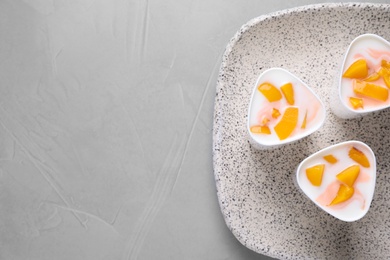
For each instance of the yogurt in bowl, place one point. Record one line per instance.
(282, 110)
(340, 179)
(363, 84)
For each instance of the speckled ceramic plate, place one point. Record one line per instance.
(258, 199)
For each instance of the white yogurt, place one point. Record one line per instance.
(358, 205)
(305, 100)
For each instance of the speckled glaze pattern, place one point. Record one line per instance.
(258, 198)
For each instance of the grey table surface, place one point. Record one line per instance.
(106, 117)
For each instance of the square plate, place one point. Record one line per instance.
(260, 203)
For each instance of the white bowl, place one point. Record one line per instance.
(367, 46)
(305, 100)
(358, 205)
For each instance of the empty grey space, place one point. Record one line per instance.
(106, 123)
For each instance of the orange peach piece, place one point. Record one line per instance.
(359, 157)
(288, 92)
(303, 126)
(265, 121)
(344, 193)
(275, 113)
(260, 129)
(330, 159)
(349, 175)
(314, 174)
(374, 76)
(356, 102)
(385, 73)
(270, 92)
(357, 70)
(385, 64)
(288, 123)
(370, 90)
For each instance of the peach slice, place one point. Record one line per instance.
(288, 123)
(359, 157)
(385, 73)
(275, 113)
(356, 102)
(260, 129)
(330, 158)
(370, 90)
(270, 92)
(288, 92)
(385, 64)
(303, 126)
(357, 70)
(265, 121)
(314, 174)
(374, 76)
(349, 175)
(345, 193)
(345, 181)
